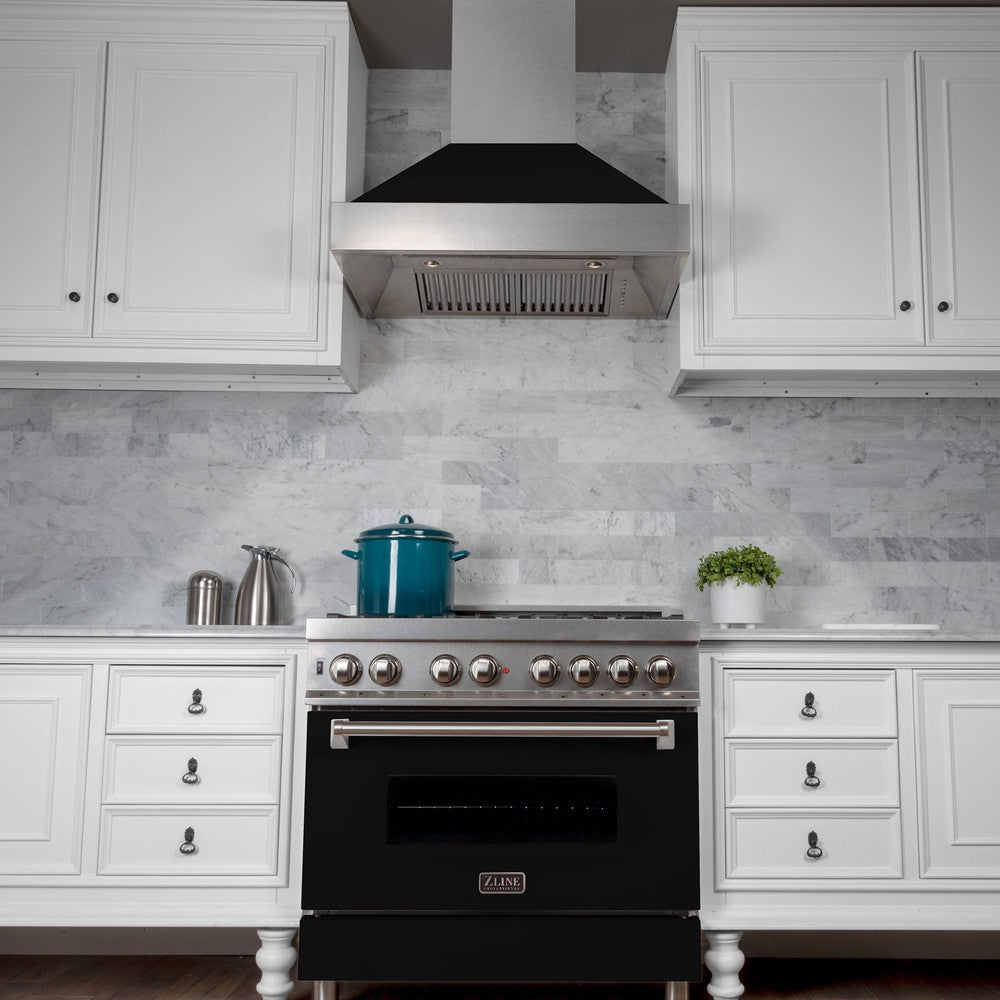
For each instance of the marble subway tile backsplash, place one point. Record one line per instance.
(550, 450)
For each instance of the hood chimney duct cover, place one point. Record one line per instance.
(513, 71)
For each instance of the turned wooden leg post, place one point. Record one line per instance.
(275, 958)
(724, 960)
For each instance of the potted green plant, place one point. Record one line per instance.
(736, 578)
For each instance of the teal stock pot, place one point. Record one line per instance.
(405, 570)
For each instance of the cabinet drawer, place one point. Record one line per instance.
(189, 699)
(168, 769)
(772, 843)
(234, 841)
(761, 702)
(812, 773)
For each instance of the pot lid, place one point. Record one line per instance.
(406, 528)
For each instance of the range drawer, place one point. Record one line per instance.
(204, 769)
(809, 703)
(768, 844)
(216, 841)
(768, 773)
(195, 699)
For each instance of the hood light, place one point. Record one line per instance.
(431, 262)
(594, 265)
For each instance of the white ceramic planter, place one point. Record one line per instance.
(737, 604)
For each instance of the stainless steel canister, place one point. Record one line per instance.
(204, 598)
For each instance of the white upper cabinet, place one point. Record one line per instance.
(165, 206)
(209, 220)
(961, 103)
(840, 165)
(811, 230)
(50, 105)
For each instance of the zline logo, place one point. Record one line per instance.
(501, 883)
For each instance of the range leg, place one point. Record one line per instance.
(275, 958)
(325, 989)
(724, 960)
(676, 991)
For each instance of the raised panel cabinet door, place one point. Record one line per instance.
(44, 713)
(211, 213)
(811, 232)
(958, 718)
(50, 104)
(960, 93)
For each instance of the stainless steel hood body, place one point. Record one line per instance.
(520, 229)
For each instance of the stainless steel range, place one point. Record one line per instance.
(502, 795)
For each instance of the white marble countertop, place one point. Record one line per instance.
(287, 632)
(847, 633)
(709, 633)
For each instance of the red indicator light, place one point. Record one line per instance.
(505, 670)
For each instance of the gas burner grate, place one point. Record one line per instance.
(502, 611)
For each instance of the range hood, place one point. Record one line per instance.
(512, 218)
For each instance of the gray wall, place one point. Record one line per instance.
(549, 448)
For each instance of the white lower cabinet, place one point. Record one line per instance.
(154, 781)
(44, 714)
(847, 785)
(958, 719)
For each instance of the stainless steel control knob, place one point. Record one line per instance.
(345, 669)
(661, 670)
(584, 670)
(544, 670)
(484, 669)
(445, 670)
(385, 670)
(621, 670)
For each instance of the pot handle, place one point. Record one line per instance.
(460, 554)
(350, 554)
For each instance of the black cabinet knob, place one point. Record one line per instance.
(943, 307)
(74, 296)
(813, 852)
(189, 846)
(112, 297)
(905, 305)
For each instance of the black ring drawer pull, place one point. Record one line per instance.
(811, 781)
(191, 777)
(189, 846)
(814, 852)
(808, 712)
(196, 707)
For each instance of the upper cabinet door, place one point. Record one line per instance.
(811, 238)
(210, 214)
(49, 123)
(961, 105)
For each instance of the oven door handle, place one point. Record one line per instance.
(341, 730)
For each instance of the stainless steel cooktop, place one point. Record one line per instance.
(505, 655)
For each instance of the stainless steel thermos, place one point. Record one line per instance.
(204, 604)
(257, 600)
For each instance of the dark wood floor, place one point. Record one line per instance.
(234, 978)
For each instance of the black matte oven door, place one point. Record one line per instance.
(492, 824)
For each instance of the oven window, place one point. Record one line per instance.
(502, 809)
